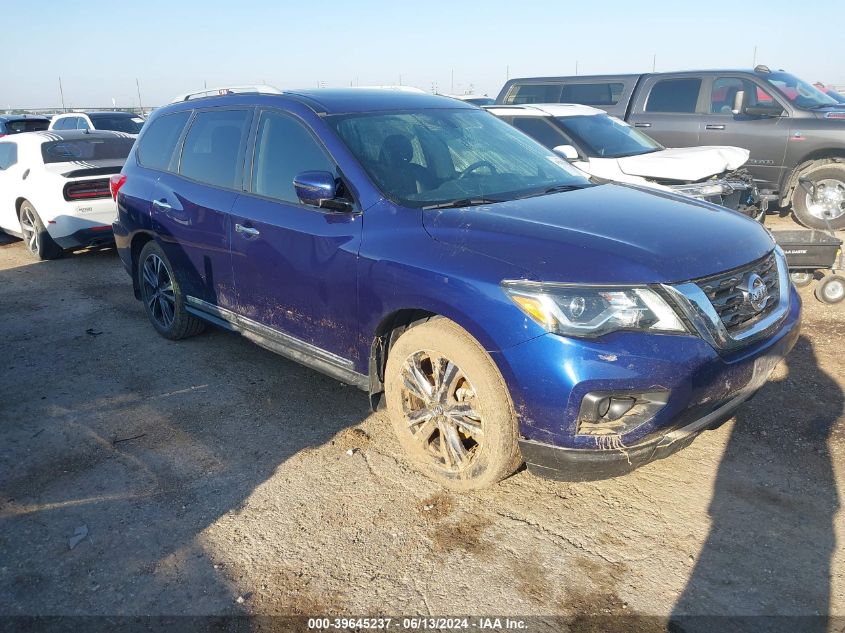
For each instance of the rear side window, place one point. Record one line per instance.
(674, 95)
(284, 148)
(596, 94)
(541, 130)
(158, 143)
(212, 152)
(86, 149)
(8, 155)
(534, 93)
(117, 123)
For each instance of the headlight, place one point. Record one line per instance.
(590, 311)
(704, 190)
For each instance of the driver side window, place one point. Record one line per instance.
(724, 90)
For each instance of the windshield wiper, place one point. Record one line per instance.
(555, 189)
(463, 202)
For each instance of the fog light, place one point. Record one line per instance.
(609, 413)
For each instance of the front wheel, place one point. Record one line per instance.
(828, 206)
(831, 289)
(35, 236)
(162, 295)
(450, 407)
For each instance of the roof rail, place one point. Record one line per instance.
(227, 90)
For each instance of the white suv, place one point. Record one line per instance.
(125, 122)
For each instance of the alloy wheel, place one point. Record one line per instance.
(158, 292)
(29, 229)
(440, 408)
(829, 202)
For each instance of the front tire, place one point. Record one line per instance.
(831, 289)
(829, 202)
(162, 296)
(36, 239)
(450, 407)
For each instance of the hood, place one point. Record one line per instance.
(685, 163)
(606, 234)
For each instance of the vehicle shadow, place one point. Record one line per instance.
(766, 564)
(135, 444)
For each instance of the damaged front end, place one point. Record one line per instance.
(735, 190)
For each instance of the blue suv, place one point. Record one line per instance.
(502, 306)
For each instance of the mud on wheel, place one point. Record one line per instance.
(449, 406)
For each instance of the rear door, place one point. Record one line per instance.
(669, 109)
(190, 208)
(765, 136)
(295, 266)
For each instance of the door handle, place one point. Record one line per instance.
(247, 231)
(161, 204)
(642, 124)
(714, 126)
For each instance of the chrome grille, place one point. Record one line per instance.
(728, 299)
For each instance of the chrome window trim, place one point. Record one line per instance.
(697, 309)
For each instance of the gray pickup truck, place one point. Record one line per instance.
(791, 128)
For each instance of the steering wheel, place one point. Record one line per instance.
(478, 165)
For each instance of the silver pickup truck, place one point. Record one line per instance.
(791, 128)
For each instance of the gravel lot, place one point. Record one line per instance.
(211, 477)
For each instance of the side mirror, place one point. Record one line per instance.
(319, 189)
(739, 102)
(566, 151)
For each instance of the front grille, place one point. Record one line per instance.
(728, 298)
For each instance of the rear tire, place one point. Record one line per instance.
(831, 289)
(830, 181)
(36, 239)
(162, 296)
(450, 407)
(801, 278)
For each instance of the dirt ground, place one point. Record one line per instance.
(211, 477)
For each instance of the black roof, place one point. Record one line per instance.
(22, 117)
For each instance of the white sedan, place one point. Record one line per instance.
(54, 188)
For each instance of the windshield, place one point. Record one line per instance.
(130, 124)
(799, 92)
(432, 157)
(605, 137)
(86, 149)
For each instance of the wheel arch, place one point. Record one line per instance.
(813, 160)
(139, 240)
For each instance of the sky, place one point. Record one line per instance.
(455, 47)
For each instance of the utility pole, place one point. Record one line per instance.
(654, 62)
(62, 93)
(452, 87)
(576, 66)
(507, 72)
(754, 59)
(138, 86)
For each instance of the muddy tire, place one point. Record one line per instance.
(450, 408)
(831, 289)
(830, 198)
(36, 239)
(162, 296)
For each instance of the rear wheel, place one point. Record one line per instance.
(831, 289)
(801, 278)
(162, 296)
(35, 236)
(450, 407)
(828, 207)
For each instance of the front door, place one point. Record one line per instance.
(295, 265)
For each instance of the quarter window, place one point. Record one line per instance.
(674, 95)
(158, 143)
(213, 149)
(284, 148)
(8, 155)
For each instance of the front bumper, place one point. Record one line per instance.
(736, 194)
(549, 376)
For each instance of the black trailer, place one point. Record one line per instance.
(810, 252)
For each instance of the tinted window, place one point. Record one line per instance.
(8, 155)
(61, 124)
(86, 149)
(28, 125)
(541, 130)
(284, 148)
(534, 93)
(674, 95)
(82, 124)
(128, 123)
(724, 91)
(598, 94)
(157, 145)
(606, 137)
(212, 150)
